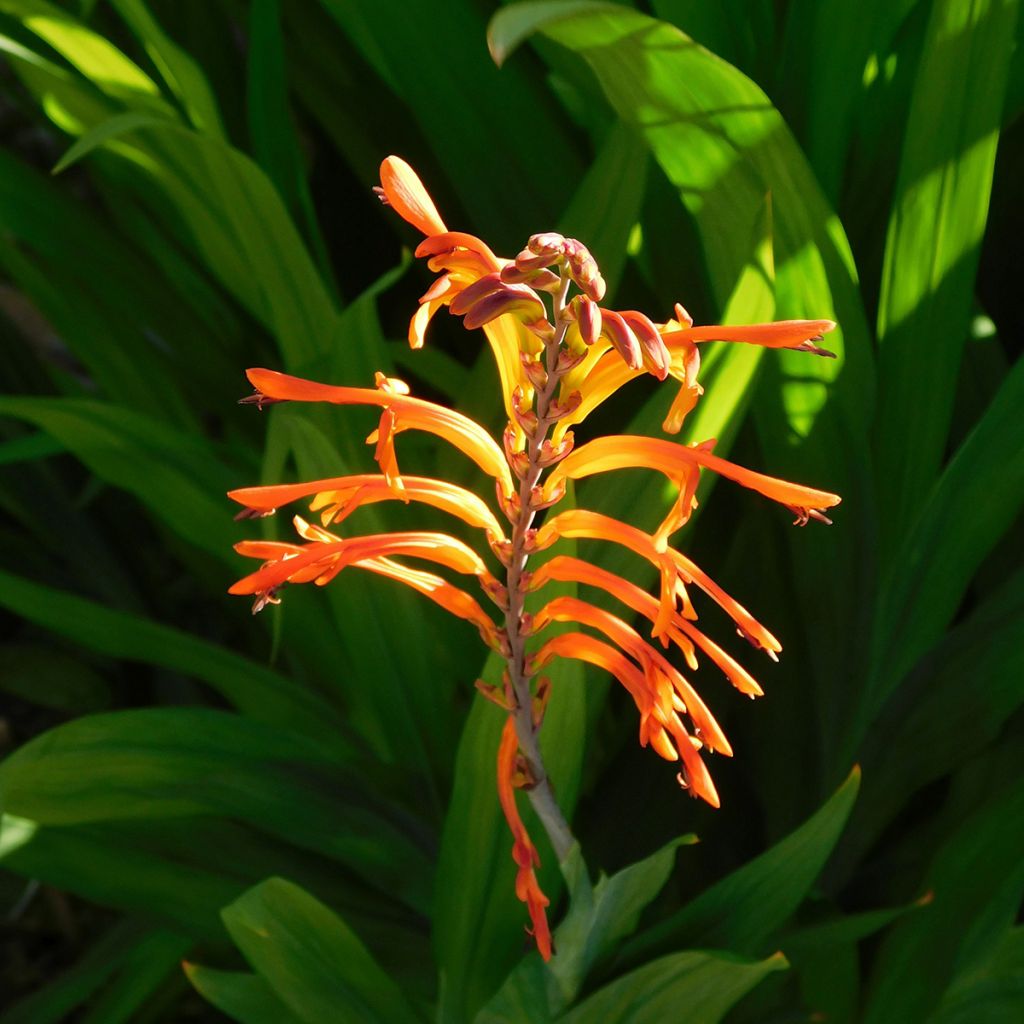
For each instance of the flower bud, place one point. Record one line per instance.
(543, 279)
(473, 293)
(509, 298)
(623, 340)
(588, 316)
(655, 354)
(528, 261)
(547, 243)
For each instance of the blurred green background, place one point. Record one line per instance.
(304, 802)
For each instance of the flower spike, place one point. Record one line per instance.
(559, 355)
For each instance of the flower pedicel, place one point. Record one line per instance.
(559, 355)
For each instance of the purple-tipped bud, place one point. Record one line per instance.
(547, 243)
(583, 269)
(543, 279)
(623, 340)
(528, 261)
(509, 298)
(655, 354)
(473, 293)
(588, 316)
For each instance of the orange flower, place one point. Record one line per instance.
(339, 496)
(665, 732)
(677, 461)
(325, 556)
(676, 569)
(524, 853)
(658, 670)
(406, 413)
(465, 261)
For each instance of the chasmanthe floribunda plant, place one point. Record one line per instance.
(559, 355)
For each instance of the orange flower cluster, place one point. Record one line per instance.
(559, 355)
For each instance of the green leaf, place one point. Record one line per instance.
(182, 74)
(488, 150)
(736, 30)
(123, 965)
(599, 917)
(990, 992)
(241, 230)
(310, 958)
(970, 508)
(745, 909)
(254, 689)
(275, 143)
(153, 960)
(919, 736)
(619, 170)
(170, 471)
(702, 986)
(96, 58)
(168, 762)
(28, 448)
(51, 678)
(850, 42)
(106, 131)
(244, 997)
(476, 918)
(977, 864)
(100, 864)
(933, 245)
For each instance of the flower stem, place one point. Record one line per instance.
(541, 792)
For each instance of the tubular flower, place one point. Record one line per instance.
(524, 853)
(559, 354)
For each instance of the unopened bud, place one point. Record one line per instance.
(509, 298)
(543, 279)
(547, 243)
(588, 316)
(624, 341)
(655, 355)
(471, 294)
(529, 261)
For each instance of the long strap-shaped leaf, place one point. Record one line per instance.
(933, 245)
(968, 511)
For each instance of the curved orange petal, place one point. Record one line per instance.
(585, 648)
(780, 334)
(409, 413)
(572, 609)
(406, 194)
(341, 495)
(575, 570)
(435, 547)
(629, 452)
(449, 597)
(440, 244)
(594, 525)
